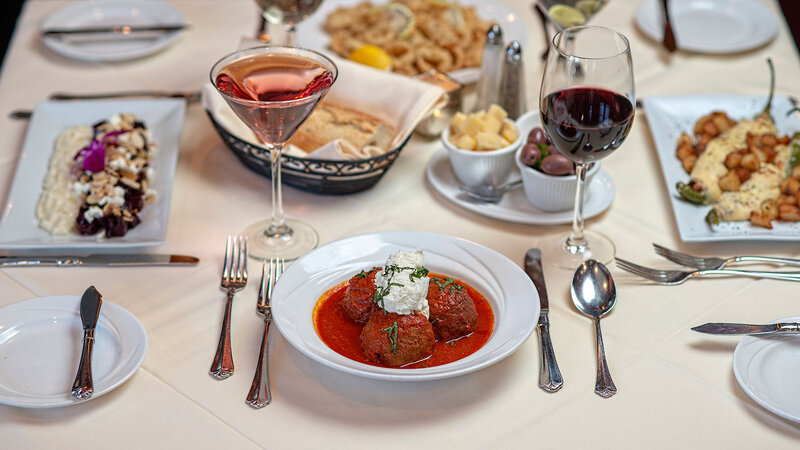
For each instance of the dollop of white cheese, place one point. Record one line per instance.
(406, 293)
(92, 213)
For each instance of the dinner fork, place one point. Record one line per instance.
(705, 263)
(672, 277)
(260, 395)
(234, 278)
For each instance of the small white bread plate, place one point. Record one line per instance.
(19, 227)
(508, 289)
(766, 368)
(40, 346)
(310, 32)
(670, 116)
(514, 207)
(111, 13)
(710, 26)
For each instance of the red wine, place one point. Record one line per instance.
(586, 123)
(289, 87)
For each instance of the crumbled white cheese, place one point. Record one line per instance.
(92, 213)
(81, 188)
(405, 294)
(119, 164)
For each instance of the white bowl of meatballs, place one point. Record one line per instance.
(548, 177)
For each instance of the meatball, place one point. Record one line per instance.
(358, 302)
(397, 340)
(452, 311)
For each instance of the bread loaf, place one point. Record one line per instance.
(330, 122)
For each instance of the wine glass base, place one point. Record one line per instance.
(296, 242)
(556, 252)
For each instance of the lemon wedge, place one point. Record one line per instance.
(373, 56)
(588, 7)
(401, 18)
(567, 16)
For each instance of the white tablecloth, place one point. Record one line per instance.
(676, 387)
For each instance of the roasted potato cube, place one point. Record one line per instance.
(733, 160)
(730, 182)
(796, 171)
(750, 162)
(743, 174)
(769, 140)
(789, 213)
(786, 199)
(769, 209)
(791, 186)
(757, 220)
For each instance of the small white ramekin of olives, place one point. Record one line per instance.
(548, 177)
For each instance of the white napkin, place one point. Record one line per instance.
(399, 100)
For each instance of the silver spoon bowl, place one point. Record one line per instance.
(594, 294)
(487, 193)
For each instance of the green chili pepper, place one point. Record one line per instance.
(712, 218)
(690, 195)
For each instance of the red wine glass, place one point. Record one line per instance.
(273, 91)
(586, 106)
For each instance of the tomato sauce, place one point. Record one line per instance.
(343, 335)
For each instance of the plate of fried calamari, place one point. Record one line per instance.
(405, 306)
(731, 166)
(412, 36)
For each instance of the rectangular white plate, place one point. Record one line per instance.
(19, 228)
(670, 116)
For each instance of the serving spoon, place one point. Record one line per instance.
(487, 193)
(594, 294)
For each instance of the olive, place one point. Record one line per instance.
(556, 164)
(537, 136)
(530, 154)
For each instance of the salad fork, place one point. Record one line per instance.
(705, 263)
(260, 395)
(234, 278)
(672, 277)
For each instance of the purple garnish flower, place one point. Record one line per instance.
(94, 154)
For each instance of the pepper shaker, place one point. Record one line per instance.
(512, 82)
(491, 66)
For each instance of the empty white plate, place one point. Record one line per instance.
(40, 345)
(766, 367)
(710, 26)
(112, 13)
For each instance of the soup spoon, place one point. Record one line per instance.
(594, 294)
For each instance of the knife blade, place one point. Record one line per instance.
(83, 387)
(743, 328)
(114, 29)
(550, 378)
(108, 260)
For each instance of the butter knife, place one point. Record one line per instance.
(115, 29)
(111, 260)
(550, 378)
(743, 328)
(83, 387)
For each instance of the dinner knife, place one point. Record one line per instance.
(111, 260)
(550, 378)
(743, 328)
(115, 29)
(83, 387)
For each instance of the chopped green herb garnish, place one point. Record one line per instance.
(362, 274)
(392, 330)
(434, 321)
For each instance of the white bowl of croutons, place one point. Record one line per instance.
(481, 146)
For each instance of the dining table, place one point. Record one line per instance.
(676, 387)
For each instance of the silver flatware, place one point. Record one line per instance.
(113, 30)
(106, 260)
(487, 193)
(550, 378)
(594, 294)
(83, 387)
(705, 263)
(189, 96)
(234, 278)
(260, 394)
(743, 328)
(672, 277)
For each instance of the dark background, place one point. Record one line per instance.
(9, 11)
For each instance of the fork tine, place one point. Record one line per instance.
(675, 256)
(226, 265)
(262, 285)
(645, 272)
(244, 255)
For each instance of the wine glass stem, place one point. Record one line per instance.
(576, 242)
(277, 226)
